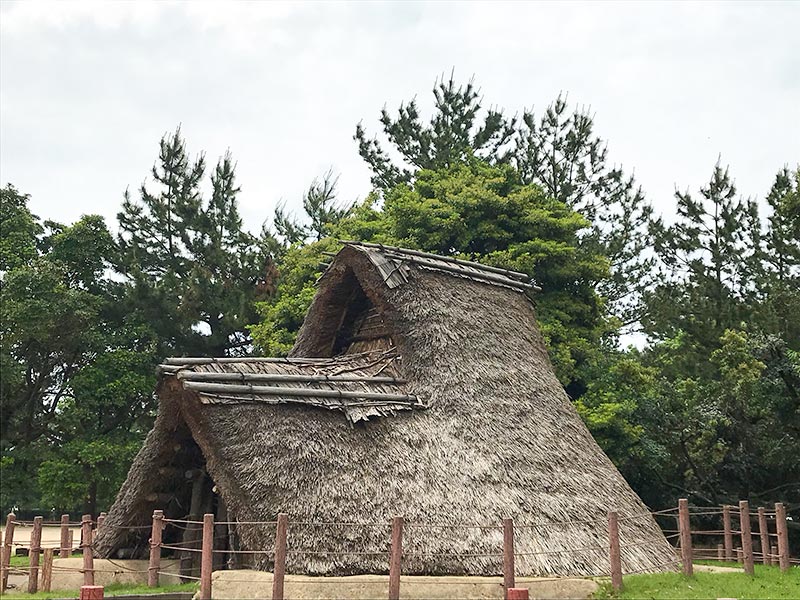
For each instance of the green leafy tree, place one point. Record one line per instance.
(457, 131)
(196, 273)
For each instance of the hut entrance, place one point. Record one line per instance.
(184, 490)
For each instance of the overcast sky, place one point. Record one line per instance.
(86, 90)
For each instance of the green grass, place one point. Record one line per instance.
(767, 583)
(115, 589)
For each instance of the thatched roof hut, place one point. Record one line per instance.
(419, 386)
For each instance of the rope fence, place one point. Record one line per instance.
(198, 547)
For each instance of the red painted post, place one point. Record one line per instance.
(8, 541)
(508, 555)
(88, 557)
(207, 556)
(726, 526)
(518, 594)
(747, 538)
(396, 558)
(783, 536)
(763, 532)
(91, 592)
(280, 557)
(614, 553)
(685, 536)
(33, 555)
(47, 569)
(155, 548)
(65, 549)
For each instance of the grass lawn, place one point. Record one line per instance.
(768, 582)
(110, 590)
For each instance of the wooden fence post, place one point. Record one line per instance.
(100, 518)
(396, 558)
(747, 538)
(280, 557)
(207, 556)
(47, 569)
(8, 541)
(686, 536)
(763, 533)
(33, 555)
(614, 554)
(508, 556)
(86, 544)
(155, 548)
(726, 526)
(783, 536)
(720, 552)
(65, 549)
(773, 555)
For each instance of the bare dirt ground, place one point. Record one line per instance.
(229, 585)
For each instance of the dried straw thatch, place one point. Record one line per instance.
(455, 417)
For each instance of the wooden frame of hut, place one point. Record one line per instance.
(418, 386)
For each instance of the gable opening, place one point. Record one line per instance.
(361, 325)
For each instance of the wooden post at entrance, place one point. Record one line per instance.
(614, 552)
(280, 557)
(47, 569)
(66, 547)
(396, 558)
(685, 536)
(207, 556)
(88, 557)
(508, 556)
(726, 526)
(155, 548)
(747, 538)
(8, 542)
(783, 536)
(33, 555)
(763, 533)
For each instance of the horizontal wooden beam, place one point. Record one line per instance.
(257, 390)
(285, 377)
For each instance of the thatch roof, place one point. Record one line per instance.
(457, 417)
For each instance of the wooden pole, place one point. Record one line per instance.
(685, 536)
(396, 558)
(720, 552)
(726, 526)
(70, 542)
(508, 556)
(33, 555)
(747, 537)
(47, 569)
(66, 549)
(280, 557)
(86, 543)
(100, 518)
(614, 553)
(739, 554)
(207, 557)
(155, 548)
(763, 532)
(8, 541)
(773, 554)
(783, 536)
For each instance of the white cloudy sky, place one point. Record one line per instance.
(87, 89)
